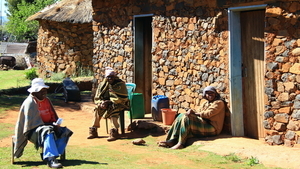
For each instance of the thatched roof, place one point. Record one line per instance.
(73, 11)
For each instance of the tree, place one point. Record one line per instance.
(12, 4)
(3, 33)
(19, 11)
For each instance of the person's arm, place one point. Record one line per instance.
(97, 96)
(215, 108)
(118, 93)
(101, 92)
(191, 111)
(105, 103)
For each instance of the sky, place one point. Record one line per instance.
(3, 8)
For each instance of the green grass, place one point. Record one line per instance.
(6, 130)
(13, 79)
(10, 102)
(233, 157)
(17, 78)
(105, 157)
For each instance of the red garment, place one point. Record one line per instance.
(46, 113)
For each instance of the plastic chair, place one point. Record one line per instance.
(130, 89)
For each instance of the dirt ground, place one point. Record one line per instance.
(81, 114)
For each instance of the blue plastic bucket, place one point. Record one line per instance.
(158, 102)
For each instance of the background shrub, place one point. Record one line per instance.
(31, 74)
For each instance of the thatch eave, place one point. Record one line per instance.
(73, 11)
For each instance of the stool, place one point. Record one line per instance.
(62, 156)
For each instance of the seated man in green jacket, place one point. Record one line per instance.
(111, 98)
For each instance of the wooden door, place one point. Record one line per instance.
(252, 38)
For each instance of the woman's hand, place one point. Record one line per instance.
(189, 112)
(104, 104)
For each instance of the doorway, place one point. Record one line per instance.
(143, 58)
(246, 70)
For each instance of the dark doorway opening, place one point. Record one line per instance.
(143, 58)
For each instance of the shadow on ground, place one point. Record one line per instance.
(191, 141)
(65, 163)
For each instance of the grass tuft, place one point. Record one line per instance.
(58, 76)
(252, 161)
(233, 157)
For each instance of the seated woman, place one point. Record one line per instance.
(38, 123)
(208, 121)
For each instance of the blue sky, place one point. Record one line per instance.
(3, 8)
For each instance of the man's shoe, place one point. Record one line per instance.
(92, 133)
(52, 163)
(113, 135)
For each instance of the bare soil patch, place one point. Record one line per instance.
(78, 117)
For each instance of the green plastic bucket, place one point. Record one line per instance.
(137, 106)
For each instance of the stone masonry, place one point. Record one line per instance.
(190, 52)
(64, 47)
(282, 99)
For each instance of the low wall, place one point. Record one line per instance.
(82, 85)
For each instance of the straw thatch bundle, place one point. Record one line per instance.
(73, 11)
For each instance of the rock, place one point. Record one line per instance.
(283, 118)
(277, 139)
(138, 141)
(290, 135)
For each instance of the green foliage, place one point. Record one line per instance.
(83, 72)
(252, 161)
(11, 4)
(3, 32)
(20, 10)
(58, 76)
(31, 74)
(233, 157)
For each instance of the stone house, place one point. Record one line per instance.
(248, 50)
(65, 37)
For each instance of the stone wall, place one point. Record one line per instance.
(64, 47)
(282, 99)
(113, 48)
(113, 33)
(189, 51)
(188, 55)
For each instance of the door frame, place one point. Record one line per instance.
(235, 68)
